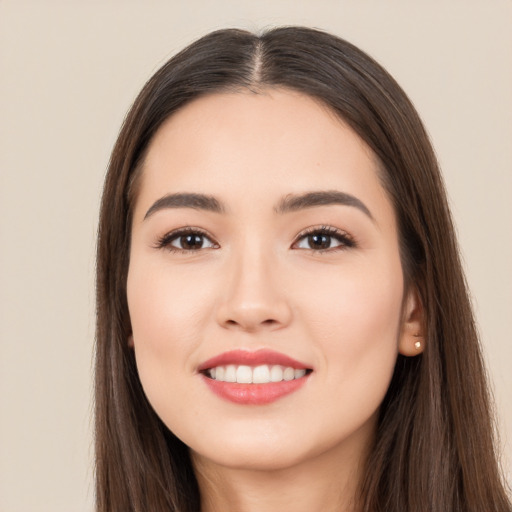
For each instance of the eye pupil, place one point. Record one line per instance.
(191, 241)
(319, 241)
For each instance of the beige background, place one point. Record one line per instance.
(69, 71)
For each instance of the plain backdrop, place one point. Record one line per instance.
(69, 71)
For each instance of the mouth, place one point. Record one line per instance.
(253, 378)
(262, 374)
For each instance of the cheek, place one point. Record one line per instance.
(355, 329)
(168, 312)
(167, 308)
(354, 320)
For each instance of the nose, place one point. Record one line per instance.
(254, 298)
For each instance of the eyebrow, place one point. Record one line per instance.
(186, 200)
(290, 203)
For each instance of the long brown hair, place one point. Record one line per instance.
(434, 449)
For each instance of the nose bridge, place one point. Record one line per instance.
(254, 298)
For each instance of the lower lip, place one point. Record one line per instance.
(254, 394)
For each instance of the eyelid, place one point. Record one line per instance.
(164, 242)
(347, 240)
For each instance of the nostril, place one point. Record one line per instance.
(251, 325)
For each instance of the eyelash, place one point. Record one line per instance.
(345, 240)
(165, 241)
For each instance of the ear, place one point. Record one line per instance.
(412, 334)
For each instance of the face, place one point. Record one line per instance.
(264, 251)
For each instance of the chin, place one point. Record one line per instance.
(254, 458)
(282, 449)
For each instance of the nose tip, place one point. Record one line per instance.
(253, 317)
(253, 300)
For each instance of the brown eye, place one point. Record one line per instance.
(319, 241)
(324, 239)
(186, 241)
(189, 242)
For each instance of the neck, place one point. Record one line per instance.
(327, 482)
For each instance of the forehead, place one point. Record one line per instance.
(268, 118)
(257, 144)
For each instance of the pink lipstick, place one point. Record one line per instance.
(253, 378)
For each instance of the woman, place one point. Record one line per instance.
(283, 322)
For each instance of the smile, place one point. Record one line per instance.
(262, 374)
(253, 378)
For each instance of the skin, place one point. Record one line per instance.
(256, 282)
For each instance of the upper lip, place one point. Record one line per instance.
(252, 358)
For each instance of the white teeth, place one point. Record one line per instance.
(288, 374)
(230, 374)
(262, 374)
(276, 374)
(244, 375)
(219, 373)
(299, 373)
